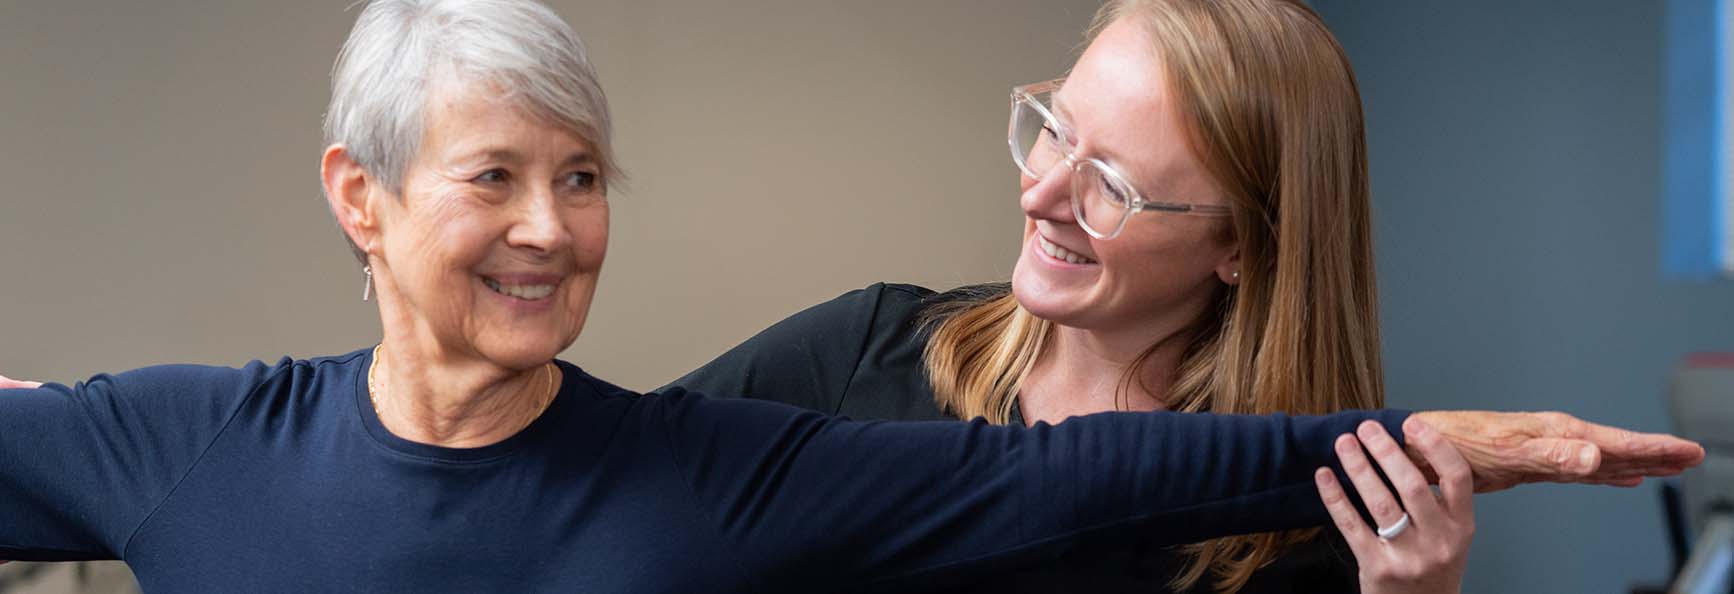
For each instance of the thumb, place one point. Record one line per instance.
(1567, 458)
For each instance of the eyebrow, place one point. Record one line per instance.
(507, 155)
(1065, 115)
(1098, 152)
(1059, 107)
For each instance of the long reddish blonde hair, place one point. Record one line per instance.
(1274, 114)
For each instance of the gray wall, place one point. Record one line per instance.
(1516, 160)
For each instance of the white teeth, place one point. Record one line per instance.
(525, 292)
(1060, 253)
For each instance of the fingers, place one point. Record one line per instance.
(1417, 497)
(1429, 556)
(1456, 482)
(1380, 504)
(1343, 513)
(7, 383)
(1621, 448)
(1651, 450)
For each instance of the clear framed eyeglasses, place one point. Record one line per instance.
(1102, 199)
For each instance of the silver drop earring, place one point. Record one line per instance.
(367, 285)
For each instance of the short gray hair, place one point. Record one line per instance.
(400, 49)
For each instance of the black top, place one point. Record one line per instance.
(280, 478)
(859, 355)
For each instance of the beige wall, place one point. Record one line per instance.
(158, 167)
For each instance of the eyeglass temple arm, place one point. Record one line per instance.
(1181, 208)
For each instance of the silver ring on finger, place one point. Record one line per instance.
(1397, 528)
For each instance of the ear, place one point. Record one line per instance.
(1229, 269)
(348, 191)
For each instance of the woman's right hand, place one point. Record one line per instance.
(1426, 540)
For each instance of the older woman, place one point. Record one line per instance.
(468, 163)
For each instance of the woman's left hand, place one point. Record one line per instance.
(1423, 550)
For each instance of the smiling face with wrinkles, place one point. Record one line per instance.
(494, 247)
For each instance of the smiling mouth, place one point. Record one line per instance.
(525, 292)
(1060, 253)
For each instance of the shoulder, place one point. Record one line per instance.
(878, 301)
(888, 307)
(188, 387)
(926, 307)
(177, 382)
(841, 323)
(901, 294)
(809, 359)
(169, 410)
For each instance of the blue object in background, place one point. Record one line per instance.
(1695, 184)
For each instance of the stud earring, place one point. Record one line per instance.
(1236, 275)
(367, 285)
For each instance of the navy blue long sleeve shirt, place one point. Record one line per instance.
(279, 478)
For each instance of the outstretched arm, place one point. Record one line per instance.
(1506, 449)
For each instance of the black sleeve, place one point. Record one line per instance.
(806, 360)
(808, 501)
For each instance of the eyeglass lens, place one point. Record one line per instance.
(1099, 199)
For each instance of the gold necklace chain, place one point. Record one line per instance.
(373, 387)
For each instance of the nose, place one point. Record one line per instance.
(1049, 198)
(539, 226)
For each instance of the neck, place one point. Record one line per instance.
(427, 394)
(1082, 372)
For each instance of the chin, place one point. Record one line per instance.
(1043, 300)
(519, 351)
